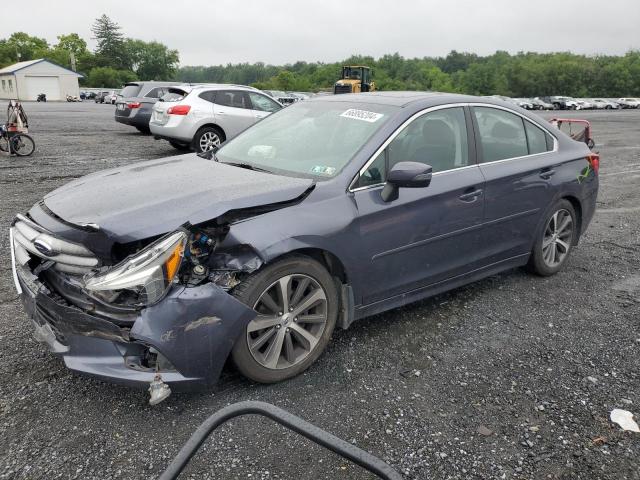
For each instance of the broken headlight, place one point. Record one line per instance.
(143, 278)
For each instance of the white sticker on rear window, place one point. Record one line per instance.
(362, 115)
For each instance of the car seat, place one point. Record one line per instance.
(436, 146)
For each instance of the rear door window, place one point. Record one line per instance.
(501, 133)
(233, 98)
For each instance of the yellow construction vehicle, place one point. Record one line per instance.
(355, 79)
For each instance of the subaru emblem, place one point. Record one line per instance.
(44, 248)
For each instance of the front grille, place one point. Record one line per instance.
(342, 89)
(30, 239)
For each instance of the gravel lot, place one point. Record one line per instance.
(512, 377)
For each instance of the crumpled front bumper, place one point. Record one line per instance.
(194, 329)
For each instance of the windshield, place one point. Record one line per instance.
(308, 139)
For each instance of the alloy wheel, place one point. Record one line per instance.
(208, 140)
(558, 235)
(292, 316)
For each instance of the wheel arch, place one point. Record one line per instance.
(330, 261)
(212, 125)
(336, 268)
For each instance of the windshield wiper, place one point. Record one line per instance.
(248, 166)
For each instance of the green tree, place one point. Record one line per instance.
(72, 43)
(21, 46)
(110, 48)
(107, 77)
(151, 60)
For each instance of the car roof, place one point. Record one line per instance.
(404, 99)
(222, 86)
(152, 82)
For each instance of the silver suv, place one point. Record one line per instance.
(202, 117)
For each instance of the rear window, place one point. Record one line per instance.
(173, 95)
(131, 90)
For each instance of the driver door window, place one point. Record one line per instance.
(437, 138)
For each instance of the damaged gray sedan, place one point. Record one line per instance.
(329, 211)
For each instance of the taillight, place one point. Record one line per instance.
(594, 162)
(133, 105)
(179, 110)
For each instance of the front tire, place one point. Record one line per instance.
(297, 305)
(555, 242)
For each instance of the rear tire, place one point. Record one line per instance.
(144, 130)
(180, 146)
(289, 334)
(207, 138)
(555, 242)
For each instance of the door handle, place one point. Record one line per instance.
(470, 196)
(219, 113)
(547, 174)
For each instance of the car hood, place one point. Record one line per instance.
(145, 199)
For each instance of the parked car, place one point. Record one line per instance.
(283, 98)
(561, 103)
(90, 95)
(136, 100)
(203, 116)
(604, 103)
(111, 97)
(301, 95)
(539, 104)
(628, 102)
(100, 96)
(331, 210)
(584, 104)
(523, 103)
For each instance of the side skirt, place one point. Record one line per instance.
(421, 293)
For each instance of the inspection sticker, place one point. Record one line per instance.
(362, 115)
(323, 170)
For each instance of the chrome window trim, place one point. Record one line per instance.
(392, 137)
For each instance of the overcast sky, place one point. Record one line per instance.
(208, 32)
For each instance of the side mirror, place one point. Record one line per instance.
(406, 175)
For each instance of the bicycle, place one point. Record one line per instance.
(13, 142)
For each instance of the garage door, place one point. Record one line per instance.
(50, 86)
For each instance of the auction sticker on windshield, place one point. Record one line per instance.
(362, 115)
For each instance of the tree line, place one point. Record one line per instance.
(118, 59)
(514, 75)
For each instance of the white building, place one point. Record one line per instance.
(25, 80)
